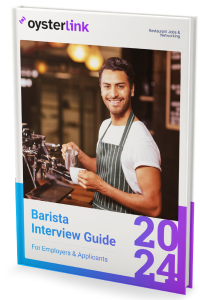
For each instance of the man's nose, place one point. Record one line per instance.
(113, 92)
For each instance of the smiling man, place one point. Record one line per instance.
(125, 175)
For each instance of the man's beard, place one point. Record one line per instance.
(118, 110)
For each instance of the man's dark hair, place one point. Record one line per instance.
(118, 64)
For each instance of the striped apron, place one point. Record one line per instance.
(109, 168)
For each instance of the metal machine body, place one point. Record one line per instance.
(36, 157)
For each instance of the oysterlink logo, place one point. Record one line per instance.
(69, 26)
(22, 20)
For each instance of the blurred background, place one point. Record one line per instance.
(61, 99)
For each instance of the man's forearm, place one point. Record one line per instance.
(150, 206)
(87, 162)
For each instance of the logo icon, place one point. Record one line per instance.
(22, 20)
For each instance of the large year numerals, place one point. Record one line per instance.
(150, 226)
(147, 265)
(170, 261)
(142, 242)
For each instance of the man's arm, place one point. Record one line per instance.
(148, 203)
(86, 161)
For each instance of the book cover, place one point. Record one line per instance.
(104, 132)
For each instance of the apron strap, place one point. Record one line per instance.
(105, 131)
(117, 166)
(126, 130)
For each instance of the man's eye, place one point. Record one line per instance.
(106, 86)
(120, 86)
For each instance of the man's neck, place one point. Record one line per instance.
(121, 119)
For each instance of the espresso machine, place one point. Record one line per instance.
(39, 163)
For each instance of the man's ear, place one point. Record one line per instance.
(132, 90)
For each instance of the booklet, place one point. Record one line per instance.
(104, 119)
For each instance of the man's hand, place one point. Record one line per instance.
(90, 181)
(70, 145)
(86, 161)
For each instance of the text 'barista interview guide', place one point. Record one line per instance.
(63, 233)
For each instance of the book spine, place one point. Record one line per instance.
(16, 96)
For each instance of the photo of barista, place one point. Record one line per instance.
(96, 123)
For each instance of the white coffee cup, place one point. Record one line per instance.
(74, 174)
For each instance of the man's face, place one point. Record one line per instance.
(115, 91)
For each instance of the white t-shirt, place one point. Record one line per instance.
(139, 149)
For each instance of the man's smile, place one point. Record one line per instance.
(115, 102)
